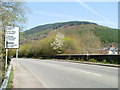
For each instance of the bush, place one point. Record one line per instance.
(112, 62)
(104, 61)
(82, 60)
(92, 60)
(68, 45)
(72, 45)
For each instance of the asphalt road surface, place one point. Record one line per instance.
(63, 74)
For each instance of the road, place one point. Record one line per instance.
(63, 74)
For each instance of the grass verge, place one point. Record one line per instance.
(9, 85)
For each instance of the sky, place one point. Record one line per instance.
(102, 13)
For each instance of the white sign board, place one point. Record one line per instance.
(11, 37)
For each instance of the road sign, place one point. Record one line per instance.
(11, 37)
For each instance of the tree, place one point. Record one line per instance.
(11, 13)
(58, 43)
(14, 13)
(92, 43)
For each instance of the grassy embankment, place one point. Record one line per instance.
(10, 81)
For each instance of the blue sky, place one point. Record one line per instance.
(103, 13)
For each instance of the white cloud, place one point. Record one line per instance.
(56, 15)
(105, 22)
(103, 18)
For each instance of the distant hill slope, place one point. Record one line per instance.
(56, 26)
(67, 38)
(105, 34)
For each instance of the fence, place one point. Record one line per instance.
(1, 73)
(99, 58)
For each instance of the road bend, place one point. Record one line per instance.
(63, 74)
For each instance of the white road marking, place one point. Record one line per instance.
(78, 70)
(74, 69)
(91, 73)
(88, 65)
(68, 68)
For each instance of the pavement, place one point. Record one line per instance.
(39, 73)
(23, 78)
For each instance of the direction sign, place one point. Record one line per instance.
(11, 37)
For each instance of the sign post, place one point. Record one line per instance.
(11, 40)
(16, 53)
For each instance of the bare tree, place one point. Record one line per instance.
(91, 42)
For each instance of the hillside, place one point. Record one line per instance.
(56, 26)
(106, 35)
(41, 31)
(67, 38)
